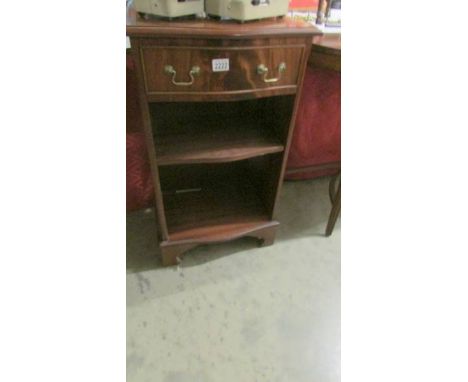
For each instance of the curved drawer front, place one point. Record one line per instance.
(202, 70)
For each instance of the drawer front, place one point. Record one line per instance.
(192, 70)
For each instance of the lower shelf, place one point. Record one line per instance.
(214, 206)
(219, 232)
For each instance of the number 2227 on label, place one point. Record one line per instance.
(220, 64)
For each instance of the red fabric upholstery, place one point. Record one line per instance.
(139, 185)
(133, 106)
(317, 135)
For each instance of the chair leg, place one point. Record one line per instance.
(332, 187)
(335, 211)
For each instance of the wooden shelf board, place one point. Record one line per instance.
(219, 233)
(220, 209)
(215, 145)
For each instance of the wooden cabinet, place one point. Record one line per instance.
(219, 100)
(282, 62)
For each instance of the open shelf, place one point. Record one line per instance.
(211, 202)
(217, 132)
(215, 145)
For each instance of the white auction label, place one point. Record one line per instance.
(220, 64)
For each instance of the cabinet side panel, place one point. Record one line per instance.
(289, 132)
(147, 129)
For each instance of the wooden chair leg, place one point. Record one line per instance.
(332, 187)
(335, 211)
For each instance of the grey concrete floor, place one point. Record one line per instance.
(237, 312)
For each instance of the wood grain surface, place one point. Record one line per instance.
(217, 196)
(213, 132)
(241, 76)
(326, 52)
(217, 147)
(209, 29)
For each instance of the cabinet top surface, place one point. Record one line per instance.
(136, 26)
(329, 43)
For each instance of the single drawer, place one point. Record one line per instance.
(212, 70)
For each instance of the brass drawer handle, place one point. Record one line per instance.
(169, 69)
(262, 69)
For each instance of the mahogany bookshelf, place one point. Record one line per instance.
(217, 140)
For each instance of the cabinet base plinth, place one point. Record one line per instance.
(172, 251)
(171, 255)
(267, 236)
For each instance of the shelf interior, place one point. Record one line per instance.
(216, 132)
(229, 143)
(203, 202)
